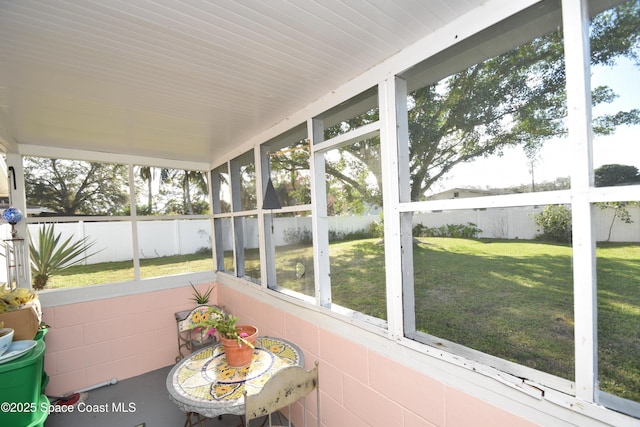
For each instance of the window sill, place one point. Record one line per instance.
(58, 297)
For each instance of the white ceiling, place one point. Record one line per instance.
(185, 79)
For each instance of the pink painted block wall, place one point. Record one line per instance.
(92, 342)
(360, 387)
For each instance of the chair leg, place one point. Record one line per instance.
(187, 421)
(200, 420)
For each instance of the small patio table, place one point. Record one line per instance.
(203, 383)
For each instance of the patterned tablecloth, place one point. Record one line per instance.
(204, 383)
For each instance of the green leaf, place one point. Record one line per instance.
(50, 256)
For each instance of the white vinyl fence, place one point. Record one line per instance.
(517, 223)
(114, 240)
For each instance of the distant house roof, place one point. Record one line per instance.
(461, 193)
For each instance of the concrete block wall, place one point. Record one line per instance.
(122, 337)
(360, 387)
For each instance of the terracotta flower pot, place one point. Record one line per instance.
(239, 355)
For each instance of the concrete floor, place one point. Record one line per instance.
(148, 394)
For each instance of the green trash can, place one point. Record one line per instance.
(42, 332)
(22, 402)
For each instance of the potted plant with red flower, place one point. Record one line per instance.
(238, 340)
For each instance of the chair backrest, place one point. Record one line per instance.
(190, 339)
(284, 388)
(194, 316)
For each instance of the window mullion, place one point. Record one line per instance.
(577, 56)
(236, 205)
(134, 223)
(319, 220)
(265, 223)
(405, 244)
(393, 134)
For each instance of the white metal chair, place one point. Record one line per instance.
(284, 388)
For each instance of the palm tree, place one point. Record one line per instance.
(186, 178)
(197, 178)
(147, 174)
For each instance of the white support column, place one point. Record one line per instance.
(319, 220)
(19, 200)
(577, 54)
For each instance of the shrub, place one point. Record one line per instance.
(298, 236)
(555, 222)
(342, 236)
(464, 231)
(376, 229)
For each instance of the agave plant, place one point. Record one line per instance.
(51, 256)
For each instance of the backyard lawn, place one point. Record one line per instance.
(511, 299)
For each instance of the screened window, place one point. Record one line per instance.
(166, 191)
(293, 251)
(485, 119)
(347, 139)
(236, 227)
(615, 83)
(490, 281)
(287, 163)
(223, 232)
(174, 246)
(243, 182)
(490, 225)
(88, 203)
(287, 212)
(221, 189)
(69, 200)
(169, 246)
(490, 123)
(59, 187)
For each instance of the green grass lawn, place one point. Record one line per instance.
(511, 299)
(122, 271)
